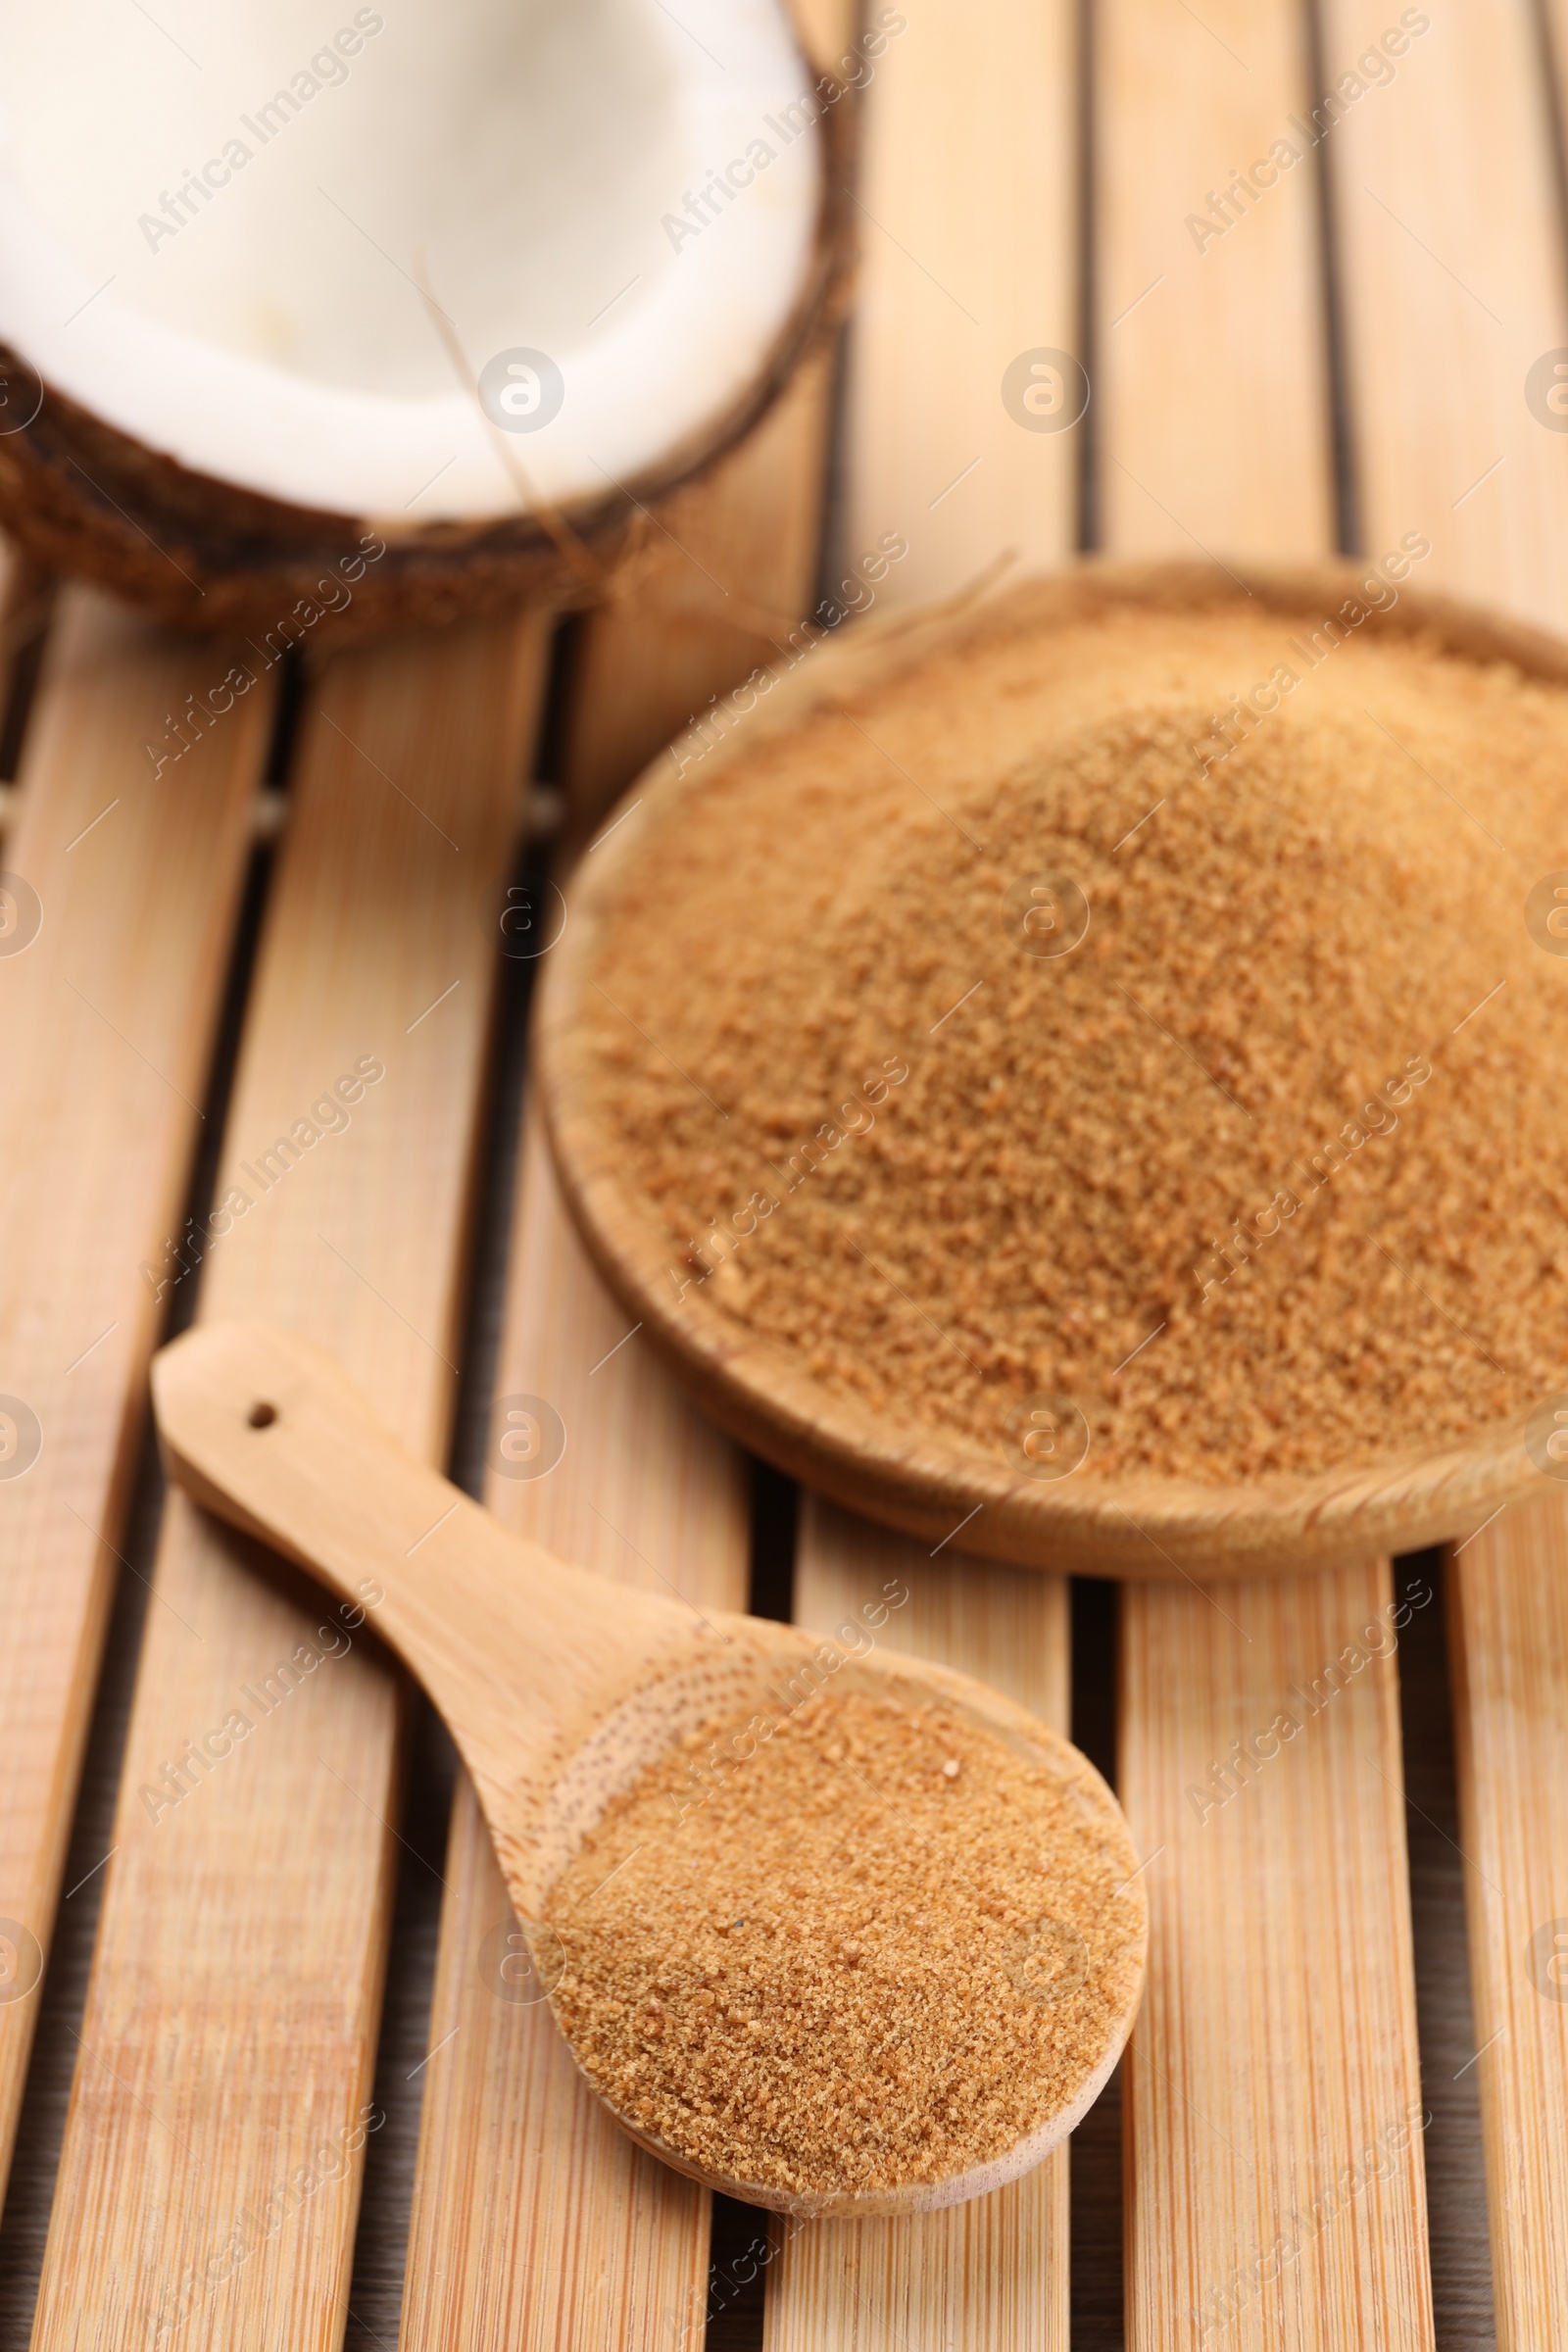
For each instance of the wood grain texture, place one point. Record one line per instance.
(210, 2174)
(526, 1655)
(1277, 2038)
(1276, 2195)
(991, 2274)
(966, 211)
(1461, 453)
(1447, 308)
(1207, 334)
(1006, 1626)
(106, 1018)
(535, 2221)
(1509, 1648)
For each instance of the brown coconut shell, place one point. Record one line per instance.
(79, 497)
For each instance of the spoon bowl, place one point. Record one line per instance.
(559, 1688)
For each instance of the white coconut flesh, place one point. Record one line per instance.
(219, 230)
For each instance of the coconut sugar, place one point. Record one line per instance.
(882, 1950)
(1264, 1173)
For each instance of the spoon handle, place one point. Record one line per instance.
(515, 1647)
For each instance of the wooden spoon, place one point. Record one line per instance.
(559, 1688)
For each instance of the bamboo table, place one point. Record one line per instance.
(263, 2060)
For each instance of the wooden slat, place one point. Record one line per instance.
(968, 206)
(1209, 344)
(1274, 2074)
(991, 2275)
(1277, 2041)
(536, 2221)
(1006, 1626)
(106, 1024)
(1427, 263)
(968, 216)
(727, 569)
(210, 2174)
(1425, 267)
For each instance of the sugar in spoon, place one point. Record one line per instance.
(562, 1689)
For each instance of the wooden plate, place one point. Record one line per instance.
(1138, 1526)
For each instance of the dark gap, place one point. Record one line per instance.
(834, 557)
(1094, 1670)
(1090, 525)
(287, 712)
(1341, 438)
(62, 1995)
(775, 1517)
(387, 2196)
(26, 631)
(380, 2246)
(531, 894)
(832, 549)
(1097, 2319)
(179, 1302)
(737, 2268)
(1450, 2083)
(549, 755)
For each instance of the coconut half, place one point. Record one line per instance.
(431, 299)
